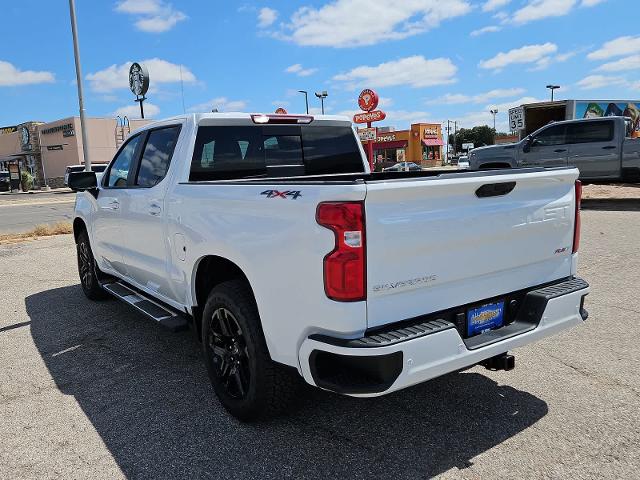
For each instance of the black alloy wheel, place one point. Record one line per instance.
(228, 350)
(87, 269)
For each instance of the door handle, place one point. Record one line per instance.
(155, 209)
(560, 150)
(609, 147)
(112, 205)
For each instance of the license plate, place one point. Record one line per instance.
(486, 317)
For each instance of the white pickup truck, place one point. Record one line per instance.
(270, 237)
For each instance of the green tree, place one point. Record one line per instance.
(479, 136)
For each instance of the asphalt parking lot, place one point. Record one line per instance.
(94, 390)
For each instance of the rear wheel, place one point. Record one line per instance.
(88, 270)
(247, 382)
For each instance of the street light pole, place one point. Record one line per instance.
(76, 53)
(306, 99)
(552, 88)
(494, 112)
(322, 95)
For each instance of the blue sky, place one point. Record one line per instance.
(429, 60)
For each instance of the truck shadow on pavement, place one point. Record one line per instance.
(146, 392)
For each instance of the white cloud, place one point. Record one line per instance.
(266, 17)
(539, 9)
(133, 111)
(117, 76)
(616, 48)
(455, 99)
(526, 54)
(354, 23)
(11, 76)
(153, 16)
(491, 5)
(280, 103)
(299, 71)
(483, 30)
(627, 63)
(593, 82)
(223, 104)
(415, 71)
(505, 106)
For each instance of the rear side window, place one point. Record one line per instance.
(223, 153)
(156, 157)
(590, 132)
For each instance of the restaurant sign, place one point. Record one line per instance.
(430, 132)
(11, 129)
(66, 129)
(391, 137)
(367, 117)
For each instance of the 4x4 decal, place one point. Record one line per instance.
(294, 194)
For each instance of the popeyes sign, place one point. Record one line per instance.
(368, 101)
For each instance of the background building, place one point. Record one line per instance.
(46, 149)
(421, 144)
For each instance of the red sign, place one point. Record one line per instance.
(368, 100)
(281, 111)
(367, 117)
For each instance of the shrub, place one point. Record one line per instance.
(26, 179)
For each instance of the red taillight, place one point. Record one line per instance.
(576, 228)
(344, 266)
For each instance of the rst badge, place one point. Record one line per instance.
(293, 194)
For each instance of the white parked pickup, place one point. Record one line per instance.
(269, 237)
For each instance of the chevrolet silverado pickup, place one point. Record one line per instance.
(270, 238)
(601, 148)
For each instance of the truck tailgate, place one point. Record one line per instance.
(433, 244)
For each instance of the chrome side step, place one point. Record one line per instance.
(162, 314)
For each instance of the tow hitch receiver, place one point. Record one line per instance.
(504, 361)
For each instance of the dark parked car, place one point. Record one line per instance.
(5, 181)
(99, 168)
(403, 167)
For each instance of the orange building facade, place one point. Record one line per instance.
(421, 144)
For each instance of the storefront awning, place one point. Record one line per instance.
(433, 142)
(395, 144)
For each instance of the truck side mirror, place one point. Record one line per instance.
(527, 144)
(81, 181)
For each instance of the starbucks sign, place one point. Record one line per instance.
(138, 79)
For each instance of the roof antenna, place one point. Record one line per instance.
(182, 90)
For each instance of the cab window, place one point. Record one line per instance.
(157, 156)
(119, 170)
(551, 136)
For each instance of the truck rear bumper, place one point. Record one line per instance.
(411, 353)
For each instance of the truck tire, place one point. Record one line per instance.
(247, 382)
(88, 270)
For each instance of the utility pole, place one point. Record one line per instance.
(76, 53)
(455, 134)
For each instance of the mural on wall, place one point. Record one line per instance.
(610, 109)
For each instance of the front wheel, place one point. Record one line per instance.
(88, 270)
(247, 382)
